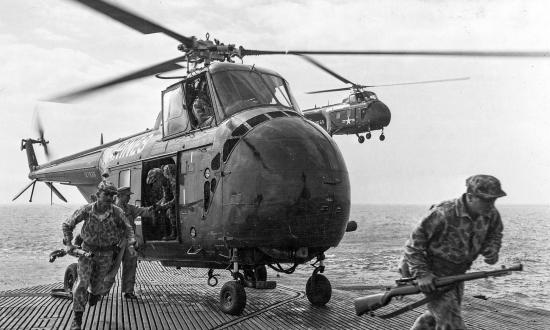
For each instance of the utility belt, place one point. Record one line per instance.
(97, 249)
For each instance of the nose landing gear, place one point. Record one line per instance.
(318, 288)
(360, 138)
(232, 294)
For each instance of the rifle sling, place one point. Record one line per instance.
(415, 304)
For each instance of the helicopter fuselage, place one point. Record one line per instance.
(260, 185)
(361, 112)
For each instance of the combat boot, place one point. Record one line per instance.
(93, 299)
(77, 321)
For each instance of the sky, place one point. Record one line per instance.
(497, 122)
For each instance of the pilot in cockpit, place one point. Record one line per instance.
(202, 106)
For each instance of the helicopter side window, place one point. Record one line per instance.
(124, 178)
(352, 99)
(239, 90)
(175, 114)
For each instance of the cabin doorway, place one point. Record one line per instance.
(157, 191)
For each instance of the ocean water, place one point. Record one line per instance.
(366, 258)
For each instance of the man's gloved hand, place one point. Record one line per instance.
(426, 283)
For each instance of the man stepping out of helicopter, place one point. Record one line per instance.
(165, 178)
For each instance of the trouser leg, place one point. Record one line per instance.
(102, 266)
(129, 268)
(446, 309)
(80, 290)
(425, 321)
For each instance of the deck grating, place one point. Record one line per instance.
(181, 299)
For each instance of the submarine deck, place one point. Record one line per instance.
(181, 299)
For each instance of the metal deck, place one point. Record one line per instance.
(181, 299)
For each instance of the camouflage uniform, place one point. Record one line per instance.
(167, 201)
(129, 263)
(100, 233)
(169, 198)
(446, 243)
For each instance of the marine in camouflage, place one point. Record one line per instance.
(446, 243)
(100, 233)
(451, 236)
(169, 198)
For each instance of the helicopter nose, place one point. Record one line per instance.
(286, 184)
(378, 115)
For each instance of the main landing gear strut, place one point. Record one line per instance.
(318, 288)
(232, 294)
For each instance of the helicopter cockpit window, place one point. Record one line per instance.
(239, 90)
(352, 99)
(175, 114)
(370, 96)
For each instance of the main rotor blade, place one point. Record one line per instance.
(324, 68)
(132, 20)
(331, 90)
(420, 82)
(456, 53)
(55, 191)
(394, 84)
(24, 189)
(154, 69)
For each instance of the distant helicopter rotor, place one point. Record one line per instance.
(204, 51)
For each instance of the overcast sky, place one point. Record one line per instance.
(498, 122)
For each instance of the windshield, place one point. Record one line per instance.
(239, 90)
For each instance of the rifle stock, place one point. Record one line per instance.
(406, 287)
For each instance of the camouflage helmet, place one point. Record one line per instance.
(154, 175)
(484, 186)
(107, 187)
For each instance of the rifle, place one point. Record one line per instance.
(76, 252)
(408, 286)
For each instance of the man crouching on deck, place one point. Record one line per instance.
(100, 233)
(446, 243)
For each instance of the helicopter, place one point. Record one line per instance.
(259, 184)
(359, 112)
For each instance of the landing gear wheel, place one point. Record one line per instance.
(71, 275)
(232, 298)
(382, 137)
(361, 139)
(318, 290)
(368, 135)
